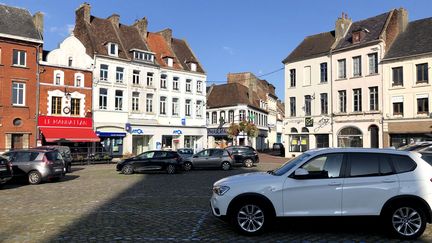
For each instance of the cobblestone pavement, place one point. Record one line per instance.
(95, 204)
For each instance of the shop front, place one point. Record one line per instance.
(112, 142)
(218, 138)
(402, 133)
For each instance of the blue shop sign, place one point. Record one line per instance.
(111, 134)
(137, 131)
(177, 132)
(183, 121)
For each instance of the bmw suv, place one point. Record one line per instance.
(393, 185)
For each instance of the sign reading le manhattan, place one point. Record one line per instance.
(57, 121)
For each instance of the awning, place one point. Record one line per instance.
(69, 134)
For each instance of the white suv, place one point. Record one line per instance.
(395, 185)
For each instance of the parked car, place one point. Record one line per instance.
(427, 156)
(156, 160)
(65, 153)
(185, 152)
(390, 184)
(209, 158)
(278, 149)
(5, 170)
(417, 146)
(37, 165)
(244, 155)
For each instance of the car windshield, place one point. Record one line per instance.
(290, 164)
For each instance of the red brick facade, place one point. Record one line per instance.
(21, 134)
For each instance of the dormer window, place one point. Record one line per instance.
(358, 35)
(169, 61)
(193, 67)
(143, 56)
(113, 49)
(70, 62)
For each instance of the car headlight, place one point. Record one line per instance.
(220, 190)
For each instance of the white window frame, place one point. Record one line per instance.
(175, 106)
(19, 58)
(149, 103)
(199, 87)
(104, 99)
(162, 105)
(115, 54)
(60, 74)
(136, 77)
(199, 109)
(176, 83)
(120, 75)
(163, 80)
(150, 79)
(77, 76)
(188, 111)
(21, 88)
(135, 101)
(103, 73)
(119, 100)
(189, 85)
(193, 67)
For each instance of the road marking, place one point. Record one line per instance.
(198, 225)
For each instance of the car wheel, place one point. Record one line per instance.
(34, 177)
(248, 163)
(69, 168)
(250, 218)
(187, 166)
(171, 169)
(127, 170)
(226, 165)
(406, 221)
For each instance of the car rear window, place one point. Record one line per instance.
(403, 163)
(53, 156)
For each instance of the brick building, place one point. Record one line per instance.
(20, 45)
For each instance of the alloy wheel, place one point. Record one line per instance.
(34, 177)
(406, 221)
(171, 169)
(250, 218)
(248, 163)
(226, 166)
(187, 166)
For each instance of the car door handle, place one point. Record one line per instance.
(389, 180)
(335, 183)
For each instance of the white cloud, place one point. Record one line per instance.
(228, 49)
(63, 30)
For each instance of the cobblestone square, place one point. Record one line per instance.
(95, 203)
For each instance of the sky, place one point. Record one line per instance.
(227, 36)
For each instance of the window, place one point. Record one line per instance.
(422, 73)
(175, 106)
(119, 74)
(231, 116)
(350, 137)
(323, 68)
(341, 68)
(78, 80)
(307, 106)
(199, 87)
(135, 77)
(327, 166)
(397, 76)
(58, 79)
(398, 108)
(150, 79)
(75, 107)
(18, 93)
(103, 99)
(324, 103)
(113, 49)
(292, 106)
(403, 163)
(188, 85)
(307, 75)
(149, 103)
(292, 78)
(373, 98)
(199, 108)
(162, 105)
(56, 105)
(214, 117)
(70, 62)
(118, 100)
(175, 83)
(19, 58)
(169, 61)
(357, 100)
(143, 56)
(357, 66)
(422, 105)
(103, 72)
(342, 101)
(242, 115)
(193, 67)
(188, 108)
(135, 101)
(322, 140)
(363, 164)
(163, 81)
(373, 63)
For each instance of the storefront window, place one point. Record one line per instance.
(350, 137)
(299, 142)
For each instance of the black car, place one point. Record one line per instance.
(185, 152)
(278, 149)
(5, 170)
(156, 160)
(65, 153)
(245, 155)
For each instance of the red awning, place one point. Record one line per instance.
(69, 134)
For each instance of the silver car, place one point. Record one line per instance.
(209, 158)
(37, 165)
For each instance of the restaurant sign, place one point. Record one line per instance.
(61, 121)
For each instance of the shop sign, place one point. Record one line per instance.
(309, 122)
(59, 121)
(177, 132)
(216, 131)
(183, 121)
(110, 134)
(137, 131)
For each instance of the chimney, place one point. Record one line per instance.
(83, 12)
(342, 25)
(402, 19)
(115, 20)
(141, 25)
(167, 34)
(39, 22)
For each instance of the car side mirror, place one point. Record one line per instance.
(301, 173)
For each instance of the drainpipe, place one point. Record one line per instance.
(37, 93)
(331, 98)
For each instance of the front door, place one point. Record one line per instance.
(17, 141)
(319, 193)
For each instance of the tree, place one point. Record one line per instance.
(233, 131)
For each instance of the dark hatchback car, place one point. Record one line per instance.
(65, 153)
(245, 155)
(5, 170)
(185, 152)
(157, 160)
(209, 158)
(37, 165)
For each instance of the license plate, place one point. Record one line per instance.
(3, 169)
(57, 170)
